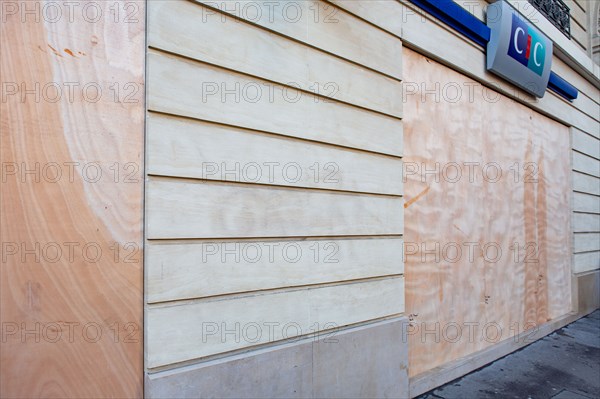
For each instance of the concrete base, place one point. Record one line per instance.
(370, 361)
(588, 292)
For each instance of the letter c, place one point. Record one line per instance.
(515, 40)
(535, 53)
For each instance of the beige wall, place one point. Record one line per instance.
(320, 100)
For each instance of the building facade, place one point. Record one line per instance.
(291, 198)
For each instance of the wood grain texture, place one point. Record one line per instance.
(183, 87)
(491, 286)
(179, 270)
(586, 144)
(201, 150)
(203, 209)
(76, 312)
(273, 57)
(324, 26)
(204, 225)
(185, 331)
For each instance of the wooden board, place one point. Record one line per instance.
(184, 331)
(179, 270)
(529, 207)
(72, 187)
(586, 261)
(190, 148)
(586, 203)
(272, 57)
(586, 242)
(353, 218)
(586, 144)
(183, 87)
(201, 209)
(324, 26)
(586, 184)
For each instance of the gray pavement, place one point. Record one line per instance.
(563, 365)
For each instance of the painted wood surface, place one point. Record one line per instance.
(184, 331)
(182, 87)
(518, 272)
(324, 26)
(179, 270)
(202, 209)
(245, 154)
(71, 200)
(270, 56)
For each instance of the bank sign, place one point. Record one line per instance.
(517, 51)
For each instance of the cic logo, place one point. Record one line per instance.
(526, 46)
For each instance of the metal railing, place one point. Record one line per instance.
(556, 12)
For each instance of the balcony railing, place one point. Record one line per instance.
(556, 12)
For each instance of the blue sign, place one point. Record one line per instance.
(517, 51)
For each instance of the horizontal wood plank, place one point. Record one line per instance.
(200, 209)
(196, 149)
(273, 57)
(183, 87)
(586, 203)
(586, 242)
(443, 43)
(586, 223)
(324, 26)
(385, 14)
(586, 184)
(200, 269)
(186, 331)
(585, 164)
(586, 262)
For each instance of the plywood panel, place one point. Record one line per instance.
(324, 26)
(71, 200)
(183, 87)
(175, 28)
(191, 148)
(382, 13)
(179, 208)
(180, 270)
(184, 331)
(517, 224)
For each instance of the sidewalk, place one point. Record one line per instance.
(563, 365)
